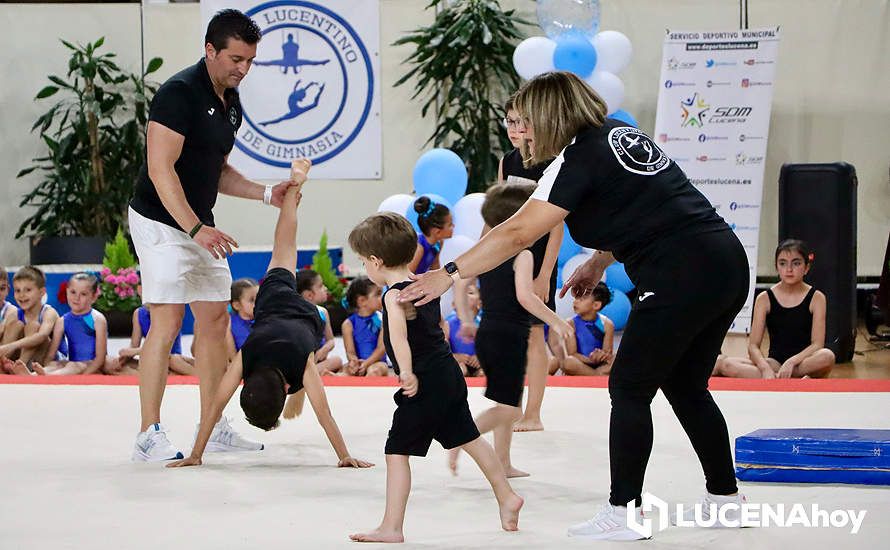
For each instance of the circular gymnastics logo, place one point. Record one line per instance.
(311, 86)
(637, 152)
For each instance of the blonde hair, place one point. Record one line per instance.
(557, 105)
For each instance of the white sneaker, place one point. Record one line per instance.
(710, 509)
(609, 524)
(225, 439)
(152, 445)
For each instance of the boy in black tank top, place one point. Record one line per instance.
(502, 338)
(432, 400)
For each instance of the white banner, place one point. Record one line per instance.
(714, 104)
(313, 90)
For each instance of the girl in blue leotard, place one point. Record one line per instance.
(436, 225)
(590, 353)
(82, 333)
(241, 315)
(362, 336)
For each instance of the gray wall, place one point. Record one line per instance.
(830, 101)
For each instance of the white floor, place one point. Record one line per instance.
(67, 482)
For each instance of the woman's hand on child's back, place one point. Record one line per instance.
(409, 384)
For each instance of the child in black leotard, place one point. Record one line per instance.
(502, 342)
(794, 314)
(277, 360)
(432, 400)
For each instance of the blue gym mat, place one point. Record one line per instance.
(807, 455)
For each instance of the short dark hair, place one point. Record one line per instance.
(795, 245)
(88, 278)
(231, 24)
(430, 215)
(306, 279)
(262, 397)
(360, 286)
(386, 235)
(239, 286)
(503, 200)
(602, 294)
(30, 273)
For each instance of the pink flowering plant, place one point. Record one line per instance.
(119, 279)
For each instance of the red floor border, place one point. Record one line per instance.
(719, 384)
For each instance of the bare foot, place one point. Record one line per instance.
(6, 365)
(381, 535)
(38, 368)
(452, 460)
(527, 425)
(21, 369)
(513, 472)
(510, 512)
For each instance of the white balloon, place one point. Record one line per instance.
(454, 247)
(467, 215)
(396, 203)
(613, 51)
(564, 305)
(572, 264)
(534, 56)
(609, 87)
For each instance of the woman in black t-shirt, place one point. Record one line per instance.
(619, 192)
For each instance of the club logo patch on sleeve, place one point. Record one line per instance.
(637, 152)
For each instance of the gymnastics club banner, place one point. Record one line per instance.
(714, 103)
(313, 90)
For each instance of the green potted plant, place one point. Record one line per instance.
(463, 65)
(119, 281)
(324, 266)
(95, 138)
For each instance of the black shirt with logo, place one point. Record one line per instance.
(188, 105)
(624, 194)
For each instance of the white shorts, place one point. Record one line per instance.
(175, 269)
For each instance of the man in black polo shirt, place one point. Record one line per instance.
(192, 124)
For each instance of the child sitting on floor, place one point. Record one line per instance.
(590, 353)
(464, 349)
(82, 333)
(10, 326)
(311, 287)
(38, 321)
(241, 315)
(362, 334)
(794, 314)
(128, 357)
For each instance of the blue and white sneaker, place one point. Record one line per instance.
(152, 445)
(225, 439)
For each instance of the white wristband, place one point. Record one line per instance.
(267, 195)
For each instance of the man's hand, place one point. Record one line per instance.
(409, 384)
(350, 462)
(215, 241)
(188, 461)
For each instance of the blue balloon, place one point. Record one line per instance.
(618, 309)
(412, 215)
(574, 53)
(567, 249)
(625, 117)
(441, 172)
(617, 278)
